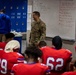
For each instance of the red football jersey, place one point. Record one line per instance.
(8, 60)
(1, 54)
(69, 73)
(30, 69)
(2, 45)
(56, 59)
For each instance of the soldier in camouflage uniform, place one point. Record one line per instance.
(38, 29)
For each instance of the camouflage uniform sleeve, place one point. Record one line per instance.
(30, 36)
(43, 31)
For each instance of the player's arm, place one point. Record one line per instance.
(20, 58)
(12, 72)
(46, 69)
(66, 73)
(67, 66)
(14, 69)
(69, 61)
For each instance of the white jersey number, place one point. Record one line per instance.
(3, 63)
(50, 64)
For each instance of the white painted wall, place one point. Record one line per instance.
(67, 45)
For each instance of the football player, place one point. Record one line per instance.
(32, 67)
(10, 57)
(9, 37)
(56, 57)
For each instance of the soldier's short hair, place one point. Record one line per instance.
(37, 13)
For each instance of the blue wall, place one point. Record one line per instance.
(17, 10)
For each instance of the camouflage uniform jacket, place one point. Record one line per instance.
(38, 32)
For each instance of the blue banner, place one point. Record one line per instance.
(17, 10)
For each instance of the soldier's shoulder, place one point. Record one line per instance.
(42, 23)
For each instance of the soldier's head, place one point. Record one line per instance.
(36, 15)
(32, 53)
(42, 44)
(57, 42)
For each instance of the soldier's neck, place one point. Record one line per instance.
(38, 20)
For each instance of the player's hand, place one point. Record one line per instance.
(71, 65)
(12, 73)
(49, 73)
